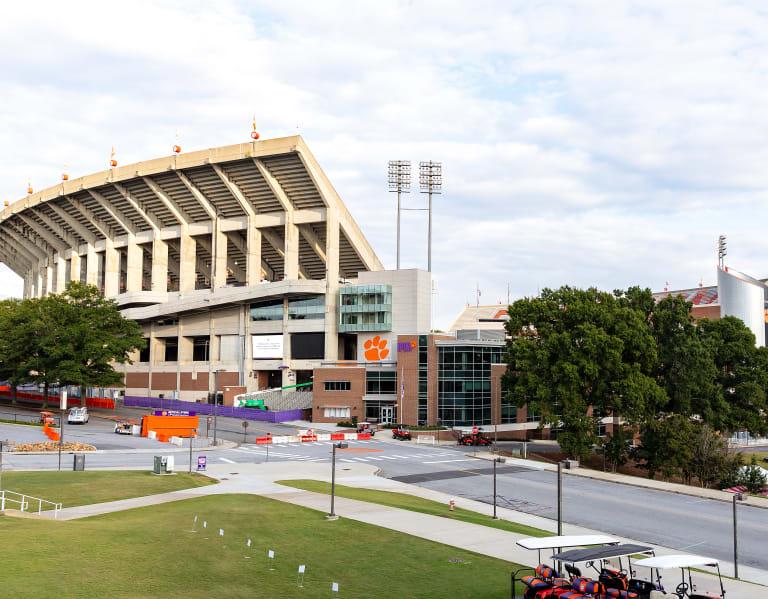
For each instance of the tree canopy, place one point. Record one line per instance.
(73, 338)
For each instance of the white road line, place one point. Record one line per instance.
(347, 461)
(227, 461)
(375, 459)
(446, 461)
(360, 459)
(388, 457)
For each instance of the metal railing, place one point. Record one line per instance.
(7, 497)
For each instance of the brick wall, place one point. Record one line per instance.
(352, 398)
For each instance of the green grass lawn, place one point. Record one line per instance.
(149, 552)
(415, 504)
(84, 488)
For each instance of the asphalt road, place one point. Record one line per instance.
(682, 522)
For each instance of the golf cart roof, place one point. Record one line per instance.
(591, 554)
(676, 561)
(566, 541)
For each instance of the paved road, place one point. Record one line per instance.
(678, 521)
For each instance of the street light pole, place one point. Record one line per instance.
(495, 461)
(559, 499)
(340, 445)
(215, 404)
(736, 497)
(192, 432)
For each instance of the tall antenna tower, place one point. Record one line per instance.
(399, 181)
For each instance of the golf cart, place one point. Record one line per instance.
(684, 590)
(366, 427)
(401, 432)
(543, 579)
(473, 436)
(47, 418)
(610, 580)
(77, 415)
(123, 428)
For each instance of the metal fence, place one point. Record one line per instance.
(8, 498)
(205, 408)
(22, 418)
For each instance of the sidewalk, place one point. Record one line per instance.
(635, 481)
(260, 479)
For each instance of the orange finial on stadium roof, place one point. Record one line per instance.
(176, 146)
(112, 161)
(701, 282)
(6, 203)
(30, 191)
(64, 175)
(666, 285)
(254, 133)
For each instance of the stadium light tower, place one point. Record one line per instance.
(722, 250)
(399, 181)
(431, 181)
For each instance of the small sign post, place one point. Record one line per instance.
(201, 463)
(271, 556)
(300, 577)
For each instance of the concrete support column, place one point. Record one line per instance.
(49, 276)
(134, 266)
(187, 258)
(159, 265)
(111, 270)
(91, 265)
(286, 345)
(38, 281)
(219, 246)
(74, 266)
(253, 256)
(291, 266)
(332, 286)
(61, 273)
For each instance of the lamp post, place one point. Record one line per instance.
(63, 409)
(215, 403)
(431, 182)
(559, 499)
(736, 497)
(339, 445)
(399, 181)
(495, 461)
(192, 432)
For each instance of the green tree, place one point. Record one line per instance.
(712, 460)
(618, 446)
(741, 376)
(666, 446)
(753, 477)
(93, 336)
(570, 349)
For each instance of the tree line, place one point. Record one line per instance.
(72, 338)
(575, 356)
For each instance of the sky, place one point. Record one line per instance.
(586, 143)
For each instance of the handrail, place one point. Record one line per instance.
(24, 502)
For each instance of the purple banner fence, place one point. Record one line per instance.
(206, 408)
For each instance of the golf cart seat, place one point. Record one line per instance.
(588, 587)
(571, 595)
(572, 570)
(620, 594)
(613, 579)
(544, 574)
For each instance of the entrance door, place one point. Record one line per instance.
(386, 415)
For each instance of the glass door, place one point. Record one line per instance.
(386, 415)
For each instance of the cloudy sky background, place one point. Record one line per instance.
(583, 143)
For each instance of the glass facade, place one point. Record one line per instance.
(365, 308)
(464, 383)
(423, 379)
(381, 382)
(271, 310)
(302, 309)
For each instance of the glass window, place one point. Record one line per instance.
(337, 385)
(271, 310)
(201, 349)
(171, 349)
(144, 353)
(301, 309)
(381, 382)
(336, 412)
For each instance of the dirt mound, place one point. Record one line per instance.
(53, 446)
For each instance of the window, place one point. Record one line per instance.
(381, 382)
(308, 346)
(171, 349)
(201, 349)
(337, 386)
(272, 310)
(307, 308)
(144, 353)
(336, 412)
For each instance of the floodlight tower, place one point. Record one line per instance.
(431, 181)
(722, 250)
(399, 181)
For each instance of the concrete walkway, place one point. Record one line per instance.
(259, 479)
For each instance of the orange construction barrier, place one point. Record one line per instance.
(169, 426)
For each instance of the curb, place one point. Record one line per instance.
(633, 481)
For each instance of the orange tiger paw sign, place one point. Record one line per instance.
(374, 349)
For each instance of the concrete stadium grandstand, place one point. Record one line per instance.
(231, 259)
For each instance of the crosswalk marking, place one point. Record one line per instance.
(228, 461)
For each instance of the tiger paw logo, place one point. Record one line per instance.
(374, 349)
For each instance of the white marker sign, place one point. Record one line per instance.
(301, 569)
(335, 587)
(249, 542)
(221, 532)
(271, 554)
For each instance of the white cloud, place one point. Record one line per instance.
(582, 142)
